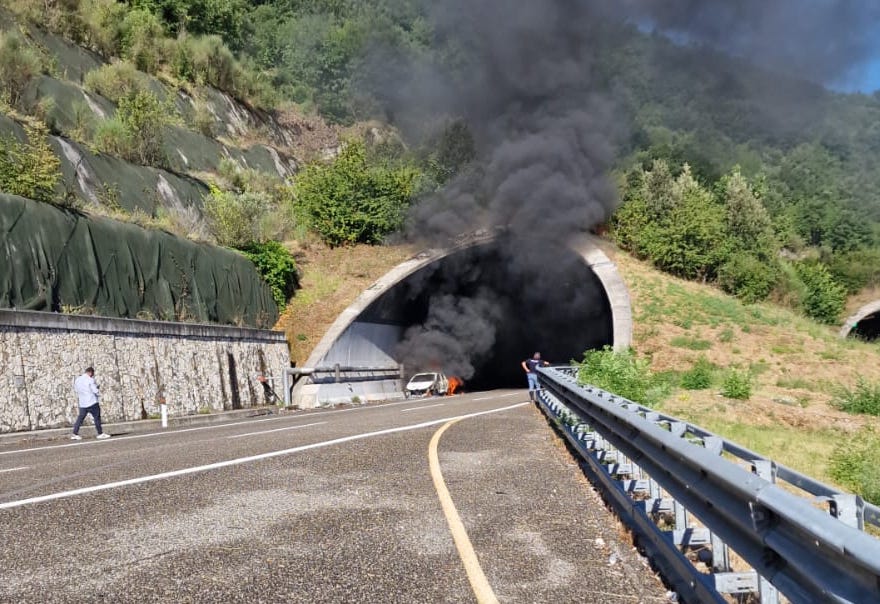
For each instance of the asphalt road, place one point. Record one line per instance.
(377, 503)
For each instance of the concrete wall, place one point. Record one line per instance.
(195, 367)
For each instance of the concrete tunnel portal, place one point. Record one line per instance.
(491, 308)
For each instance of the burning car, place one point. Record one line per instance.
(426, 384)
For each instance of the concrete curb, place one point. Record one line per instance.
(144, 425)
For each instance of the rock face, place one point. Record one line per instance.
(195, 368)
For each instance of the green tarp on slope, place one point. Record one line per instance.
(53, 259)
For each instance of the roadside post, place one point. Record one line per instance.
(163, 410)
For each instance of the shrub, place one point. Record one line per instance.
(29, 169)
(277, 267)
(623, 374)
(143, 40)
(351, 201)
(237, 219)
(824, 298)
(19, 63)
(699, 376)
(116, 81)
(137, 131)
(863, 398)
(747, 277)
(855, 465)
(737, 384)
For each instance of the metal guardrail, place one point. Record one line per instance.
(692, 497)
(337, 373)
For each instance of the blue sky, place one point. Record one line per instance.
(863, 78)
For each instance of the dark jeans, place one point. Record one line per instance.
(95, 410)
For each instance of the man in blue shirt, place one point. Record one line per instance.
(87, 392)
(531, 368)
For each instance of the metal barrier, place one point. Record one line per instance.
(692, 497)
(337, 373)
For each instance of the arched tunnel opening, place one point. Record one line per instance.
(478, 312)
(867, 328)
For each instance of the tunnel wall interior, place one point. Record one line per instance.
(477, 314)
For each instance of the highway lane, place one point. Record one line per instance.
(319, 506)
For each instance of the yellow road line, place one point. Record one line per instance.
(478, 580)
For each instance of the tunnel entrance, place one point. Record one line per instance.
(864, 324)
(560, 310)
(867, 329)
(475, 311)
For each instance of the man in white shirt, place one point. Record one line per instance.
(87, 391)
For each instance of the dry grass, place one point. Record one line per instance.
(795, 365)
(331, 279)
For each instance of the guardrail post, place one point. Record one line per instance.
(849, 509)
(766, 469)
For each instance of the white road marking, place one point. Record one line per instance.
(14, 469)
(218, 426)
(278, 429)
(241, 460)
(420, 408)
(485, 398)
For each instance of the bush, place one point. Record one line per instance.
(699, 376)
(29, 169)
(863, 398)
(277, 267)
(19, 63)
(855, 465)
(237, 219)
(737, 384)
(747, 277)
(623, 374)
(137, 131)
(116, 81)
(856, 270)
(351, 201)
(824, 297)
(143, 40)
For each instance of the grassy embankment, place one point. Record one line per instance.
(794, 365)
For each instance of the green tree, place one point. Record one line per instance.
(747, 220)
(352, 201)
(690, 241)
(824, 298)
(29, 169)
(277, 267)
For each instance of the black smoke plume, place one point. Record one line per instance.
(543, 135)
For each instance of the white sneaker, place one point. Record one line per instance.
(75, 437)
(102, 436)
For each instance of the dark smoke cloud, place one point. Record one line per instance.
(457, 332)
(819, 40)
(544, 138)
(545, 132)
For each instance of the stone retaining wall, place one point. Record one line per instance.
(196, 368)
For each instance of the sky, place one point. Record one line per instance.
(831, 42)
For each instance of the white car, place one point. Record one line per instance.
(426, 384)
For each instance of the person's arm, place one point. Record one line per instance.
(525, 368)
(93, 386)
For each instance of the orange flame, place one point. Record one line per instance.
(454, 384)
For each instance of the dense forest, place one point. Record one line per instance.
(726, 172)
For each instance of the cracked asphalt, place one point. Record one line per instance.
(320, 506)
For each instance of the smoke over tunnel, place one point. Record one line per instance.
(471, 312)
